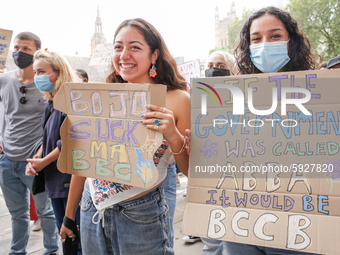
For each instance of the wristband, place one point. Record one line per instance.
(70, 224)
(37, 155)
(71, 247)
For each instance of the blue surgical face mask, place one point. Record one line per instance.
(43, 82)
(269, 57)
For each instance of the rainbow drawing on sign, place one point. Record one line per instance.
(209, 93)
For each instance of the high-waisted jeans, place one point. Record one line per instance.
(139, 226)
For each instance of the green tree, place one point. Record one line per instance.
(319, 21)
(234, 29)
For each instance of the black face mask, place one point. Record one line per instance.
(216, 72)
(22, 59)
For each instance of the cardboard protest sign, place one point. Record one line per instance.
(102, 54)
(265, 161)
(102, 135)
(190, 70)
(5, 41)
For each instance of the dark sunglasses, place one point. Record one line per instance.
(23, 90)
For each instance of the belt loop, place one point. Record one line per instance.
(160, 189)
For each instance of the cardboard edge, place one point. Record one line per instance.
(6, 51)
(159, 91)
(62, 160)
(59, 101)
(61, 104)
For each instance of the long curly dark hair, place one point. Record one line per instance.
(167, 72)
(299, 49)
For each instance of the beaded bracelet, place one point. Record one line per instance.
(184, 146)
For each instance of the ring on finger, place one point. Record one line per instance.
(71, 236)
(164, 109)
(157, 122)
(62, 240)
(157, 128)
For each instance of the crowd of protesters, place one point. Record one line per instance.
(270, 41)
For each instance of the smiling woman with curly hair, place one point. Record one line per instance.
(270, 42)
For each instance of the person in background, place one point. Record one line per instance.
(136, 220)
(334, 63)
(178, 182)
(270, 41)
(170, 188)
(21, 138)
(82, 74)
(51, 71)
(34, 216)
(323, 65)
(257, 51)
(33, 213)
(219, 63)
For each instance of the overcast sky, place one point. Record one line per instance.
(67, 26)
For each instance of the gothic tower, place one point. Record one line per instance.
(98, 36)
(233, 9)
(221, 26)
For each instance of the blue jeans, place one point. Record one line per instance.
(245, 249)
(169, 186)
(212, 246)
(59, 207)
(139, 226)
(16, 189)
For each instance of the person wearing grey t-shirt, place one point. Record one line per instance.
(21, 131)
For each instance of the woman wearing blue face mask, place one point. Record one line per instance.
(51, 72)
(270, 41)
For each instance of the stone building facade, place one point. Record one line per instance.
(221, 28)
(96, 73)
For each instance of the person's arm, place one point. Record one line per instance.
(37, 164)
(73, 200)
(39, 152)
(178, 102)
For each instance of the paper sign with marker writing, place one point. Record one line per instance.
(5, 41)
(102, 135)
(190, 70)
(102, 55)
(265, 160)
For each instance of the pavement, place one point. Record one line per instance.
(35, 243)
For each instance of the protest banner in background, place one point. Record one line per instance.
(265, 163)
(102, 135)
(190, 70)
(102, 55)
(5, 41)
